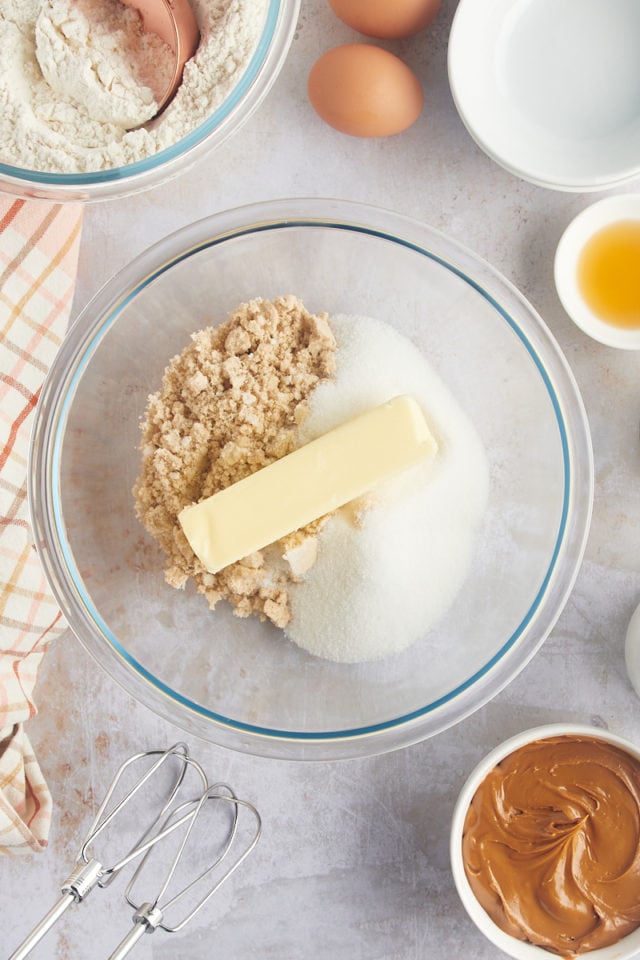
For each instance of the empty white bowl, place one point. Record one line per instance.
(610, 210)
(625, 948)
(551, 91)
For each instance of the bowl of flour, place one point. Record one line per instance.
(250, 334)
(80, 81)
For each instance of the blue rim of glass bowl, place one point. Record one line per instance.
(164, 688)
(181, 146)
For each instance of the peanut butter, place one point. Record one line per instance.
(551, 844)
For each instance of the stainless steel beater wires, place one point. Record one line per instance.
(225, 859)
(90, 872)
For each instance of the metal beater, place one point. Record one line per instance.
(149, 915)
(90, 872)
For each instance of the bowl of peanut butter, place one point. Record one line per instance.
(545, 844)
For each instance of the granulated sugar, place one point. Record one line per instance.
(59, 130)
(379, 587)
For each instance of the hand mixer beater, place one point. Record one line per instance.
(167, 818)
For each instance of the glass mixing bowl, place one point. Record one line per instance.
(238, 682)
(252, 87)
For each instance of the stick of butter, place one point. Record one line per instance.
(316, 479)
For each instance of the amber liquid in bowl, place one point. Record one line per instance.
(609, 274)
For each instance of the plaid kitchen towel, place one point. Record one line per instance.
(38, 259)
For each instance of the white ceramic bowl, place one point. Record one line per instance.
(632, 650)
(551, 91)
(580, 230)
(628, 947)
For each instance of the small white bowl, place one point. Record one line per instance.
(632, 650)
(624, 949)
(551, 91)
(580, 230)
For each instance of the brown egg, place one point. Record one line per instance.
(387, 19)
(364, 91)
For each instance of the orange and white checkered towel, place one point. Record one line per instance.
(38, 260)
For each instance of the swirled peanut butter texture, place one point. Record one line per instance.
(551, 844)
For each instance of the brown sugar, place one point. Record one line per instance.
(229, 405)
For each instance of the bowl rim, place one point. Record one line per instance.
(243, 99)
(398, 731)
(521, 949)
(456, 68)
(596, 216)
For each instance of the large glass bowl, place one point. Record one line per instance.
(253, 85)
(238, 682)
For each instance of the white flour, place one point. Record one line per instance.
(75, 120)
(96, 56)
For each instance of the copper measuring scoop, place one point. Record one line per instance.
(174, 22)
